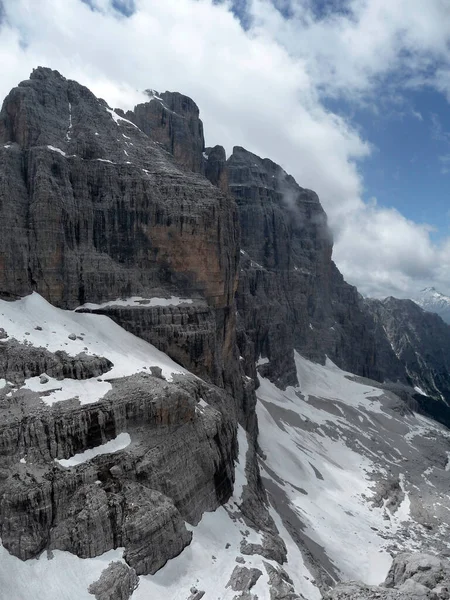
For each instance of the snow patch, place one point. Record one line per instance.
(56, 576)
(335, 479)
(119, 443)
(86, 391)
(69, 129)
(97, 335)
(239, 473)
(139, 302)
(55, 149)
(117, 118)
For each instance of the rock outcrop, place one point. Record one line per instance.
(19, 362)
(179, 464)
(411, 577)
(420, 341)
(173, 120)
(117, 582)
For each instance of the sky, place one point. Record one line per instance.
(349, 96)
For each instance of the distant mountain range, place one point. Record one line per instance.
(433, 301)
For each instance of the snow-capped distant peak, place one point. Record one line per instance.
(431, 300)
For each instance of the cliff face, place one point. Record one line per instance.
(173, 120)
(421, 343)
(112, 214)
(178, 465)
(290, 294)
(92, 210)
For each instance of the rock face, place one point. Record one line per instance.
(173, 120)
(179, 464)
(92, 209)
(421, 343)
(291, 295)
(117, 582)
(97, 205)
(19, 362)
(411, 577)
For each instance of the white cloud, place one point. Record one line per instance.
(261, 89)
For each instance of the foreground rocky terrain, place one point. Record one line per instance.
(194, 402)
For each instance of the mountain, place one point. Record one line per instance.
(194, 402)
(433, 301)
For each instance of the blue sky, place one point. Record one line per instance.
(409, 130)
(407, 168)
(349, 96)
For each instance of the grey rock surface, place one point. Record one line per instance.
(21, 361)
(421, 343)
(173, 120)
(139, 497)
(290, 294)
(92, 209)
(411, 577)
(281, 587)
(243, 578)
(117, 582)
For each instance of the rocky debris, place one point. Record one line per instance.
(424, 569)
(117, 582)
(411, 577)
(22, 361)
(3, 334)
(243, 578)
(388, 493)
(196, 594)
(281, 586)
(156, 372)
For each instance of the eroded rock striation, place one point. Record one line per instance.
(179, 464)
(92, 209)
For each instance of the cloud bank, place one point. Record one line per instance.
(263, 85)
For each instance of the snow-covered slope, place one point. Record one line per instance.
(34, 321)
(351, 472)
(433, 301)
(351, 476)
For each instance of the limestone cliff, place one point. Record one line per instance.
(92, 209)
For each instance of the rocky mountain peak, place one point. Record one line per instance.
(432, 300)
(173, 120)
(209, 352)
